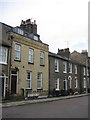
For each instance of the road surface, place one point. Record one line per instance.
(67, 108)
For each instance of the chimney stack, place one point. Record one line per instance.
(64, 52)
(28, 26)
(84, 52)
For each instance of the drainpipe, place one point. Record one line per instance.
(86, 75)
(11, 38)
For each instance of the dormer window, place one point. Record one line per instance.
(35, 37)
(20, 31)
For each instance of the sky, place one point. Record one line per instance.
(60, 23)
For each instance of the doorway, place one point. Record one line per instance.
(13, 82)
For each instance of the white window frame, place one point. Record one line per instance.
(75, 67)
(42, 58)
(39, 80)
(57, 82)
(56, 65)
(31, 54)
(17, 51)
(3, 55)
(84, 82)
(29, 80)
(76, 82)
(4, 77)
(70, 67)
(64, 67)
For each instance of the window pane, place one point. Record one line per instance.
(56, 65)
(28, 79)
(17, 47)
(17, 52)
(28, 83)
(41, 58)
(3, 55)
(31, 55)
(39, 80)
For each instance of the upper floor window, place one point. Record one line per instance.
(3, 55)
(39, 80)
(56, 65)
(75, 68)
(42, 57)
(17, 52)
(28, 79)
(70, 68)
(31, 55)
(65, 67)
(84, 71)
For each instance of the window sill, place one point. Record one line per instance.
(28, 88)
(57, 71)
(30, 63)
(64, 72)
(39, 89)
(3, 63)
(70, 72)
(17, 60)
(42, 65)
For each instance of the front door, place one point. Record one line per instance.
(14, 82)
(2, 85)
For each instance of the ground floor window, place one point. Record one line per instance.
(84, 82)
(3, 84)
(39, 80)
(65, 84)
(28, 79)
(57, 84)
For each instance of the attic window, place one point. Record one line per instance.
(35, 37)
(20, 31)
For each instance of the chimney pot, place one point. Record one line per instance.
(34, 21)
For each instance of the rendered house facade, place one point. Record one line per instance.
(27, 65)
(5, 46)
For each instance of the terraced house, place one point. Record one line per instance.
(5, 46)
(29, 69)
(68, 73)
(28, 61)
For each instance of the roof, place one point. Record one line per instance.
(78, 57)
(74, 61)
(57, 56)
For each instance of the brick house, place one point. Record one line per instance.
(66, 73)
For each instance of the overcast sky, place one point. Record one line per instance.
(58, 21)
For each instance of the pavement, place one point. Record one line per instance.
(24, 102)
